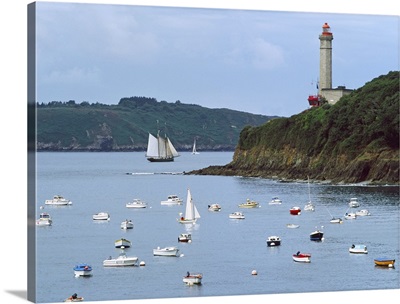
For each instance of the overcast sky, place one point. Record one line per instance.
(263, 62)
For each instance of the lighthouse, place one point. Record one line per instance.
(325, 58)
(325, 91)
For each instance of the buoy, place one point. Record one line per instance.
(189, 241)
(142, 263)
(390, 265)
(254, 272)
(182, 255)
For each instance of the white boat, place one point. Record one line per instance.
(191, 213)
(354, 203)
(44, 219)
(136, 203)
(101, 216)
(336, 220)
(127, 224)
(309, 206)
(166, 251)
(192, 278)
(122, 243)
(214, 207)
(350, 216)
(172, 199)
(58, 200)
(237, 215)
(249, 204)
(275, 201)
(194, 151)
(363, 212)
(273, 241)
(185, 237)
(358, 249)
(83, 270)
(160, 149)
(292, 226)
(121, 260)
(302, 257)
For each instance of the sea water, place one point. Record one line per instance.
(225, 251)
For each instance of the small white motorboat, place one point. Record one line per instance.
(192, 278)
(275, 201)
(309, 207)
(136, 203)
(185, 237)
(101, 216)
(214, 207)
(354, 203)
(172, 199)
(273, 241)
(121, 260)
(302, 257)
(336, 220)
(127, 224)
(292, 226)
(358, 249)
(122, 243)
(83, 270)
(58, 200)
(249, 204)
(166, 251)
(350, 216)
(44, 219)
(363, 212)
(236, 215)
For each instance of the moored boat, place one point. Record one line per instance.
(127, 224)
(350, 216)
(275, 201)
(166, 251)
(136, 203)
(363, 212)
(191, 213)
(185, 237)
(295, 210)
(316, 235)
(172, 199)
(387, 262)
(358, 249)
(83, 270)
(58, 200)
(336, 220)
(122, 243)
(292, 226)
(44, 220)
(236, 215)
(249, 204)
(214, 207)
(193, 278)
(273, 241)
(121, 260)
(101, 216)
(302, 257)
(354, 203)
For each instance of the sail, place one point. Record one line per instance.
(152, 147)
(172, 149)
(162, 148)
(191, 212)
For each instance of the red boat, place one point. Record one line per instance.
(295, 210)
(302, 257)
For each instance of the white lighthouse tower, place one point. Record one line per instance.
(325, 58)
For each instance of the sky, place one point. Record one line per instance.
(258, 61)
(378, 42)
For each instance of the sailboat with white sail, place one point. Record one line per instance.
(309, 206)
(194, 151)
(160, 149)
(191, 213)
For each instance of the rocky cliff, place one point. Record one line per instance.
(354, 141)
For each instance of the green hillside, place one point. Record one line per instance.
(125, 127)
(355, 140)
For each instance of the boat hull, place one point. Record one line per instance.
(122, 243)
(120, 262)
(384, 262)
(184, 238)
(316, 236)
(160, 160)
(295, 211)
(302, 258)
(275, 243)
(83, 273)
(358, 249)
(193, 279)
(127, 225)
(168, 251)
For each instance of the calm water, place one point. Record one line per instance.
(224, 250)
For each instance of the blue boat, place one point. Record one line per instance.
(82, 270)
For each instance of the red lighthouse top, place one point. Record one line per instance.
(326, 30)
